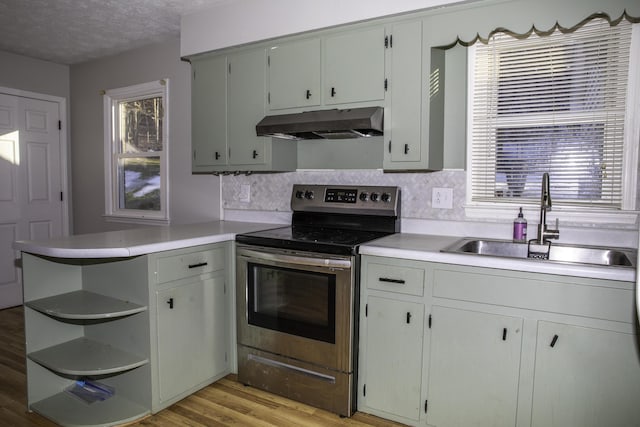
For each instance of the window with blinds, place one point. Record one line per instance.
(552, 103)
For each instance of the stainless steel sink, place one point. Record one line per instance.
(580, 254)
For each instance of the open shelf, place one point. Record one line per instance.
(67, 410)
(84, 305)
(83, 356)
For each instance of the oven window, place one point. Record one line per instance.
(293, 301)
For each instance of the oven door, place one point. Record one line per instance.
(296, 304)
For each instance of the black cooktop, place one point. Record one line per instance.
(311, 239)
(333, 219)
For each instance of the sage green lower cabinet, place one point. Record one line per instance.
(190, 335)
(395, 331)
(392, 324)
(585, 377)
(108, 320)
(498, 347)
(474, 367)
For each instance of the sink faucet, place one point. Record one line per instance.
(544, 234)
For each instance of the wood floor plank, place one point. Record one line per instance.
(227, 403)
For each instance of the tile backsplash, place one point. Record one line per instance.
(271, 194)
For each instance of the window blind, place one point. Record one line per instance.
(553, 104)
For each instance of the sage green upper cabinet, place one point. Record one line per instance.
(228, 98)
(246, 106)
(208, 112)
(404, 115)
(353, 66)
(294, 74)
(411, 141)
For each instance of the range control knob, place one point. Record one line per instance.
(299, 194)
(386, 197)
(308, 195)
(374, 197)
(364, 196)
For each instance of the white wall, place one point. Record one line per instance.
(233, 23)
(33, 75)
(193, 198)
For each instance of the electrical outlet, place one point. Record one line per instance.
(442, 198)
(244, 195)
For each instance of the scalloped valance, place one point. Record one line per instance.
(539, 32)
(468, 23)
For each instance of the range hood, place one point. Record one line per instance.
(324, 124)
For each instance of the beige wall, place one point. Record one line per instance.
(193, 198)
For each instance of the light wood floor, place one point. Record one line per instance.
(225, 403)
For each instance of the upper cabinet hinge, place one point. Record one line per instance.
(268, 61)
(229, 66)
(386, 84)
(59, 124)
(388, 41)
(194, 74)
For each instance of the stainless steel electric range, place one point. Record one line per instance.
(298, 293)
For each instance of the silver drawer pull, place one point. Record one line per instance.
(388, 280)
(200, 264)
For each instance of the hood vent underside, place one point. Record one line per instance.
(324, 124)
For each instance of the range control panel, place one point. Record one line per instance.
(345, 199)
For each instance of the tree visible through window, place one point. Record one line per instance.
(140, 132)
(137, 169)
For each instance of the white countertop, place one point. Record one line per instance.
(421, 247)
(424, 247)
(139, 241)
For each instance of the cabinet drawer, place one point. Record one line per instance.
(189, 264)
(400, 279)
(596, 299)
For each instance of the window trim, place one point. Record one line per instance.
(111, 98)
(627, 215)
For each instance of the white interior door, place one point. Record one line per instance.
(30, 182)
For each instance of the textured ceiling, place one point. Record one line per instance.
(74, 31)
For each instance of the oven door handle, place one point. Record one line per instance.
(297, 260)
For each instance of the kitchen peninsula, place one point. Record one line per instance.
(130, 309)
(144, 311)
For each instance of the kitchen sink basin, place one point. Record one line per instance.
(580, 254)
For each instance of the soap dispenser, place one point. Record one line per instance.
(520, 228)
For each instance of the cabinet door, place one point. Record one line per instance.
(403, 124)
(585, 377)
(192, 342)
(354, 67)
(294, 74)
(393, 356)
(474, 368)
(246, 106)
(208, 112)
